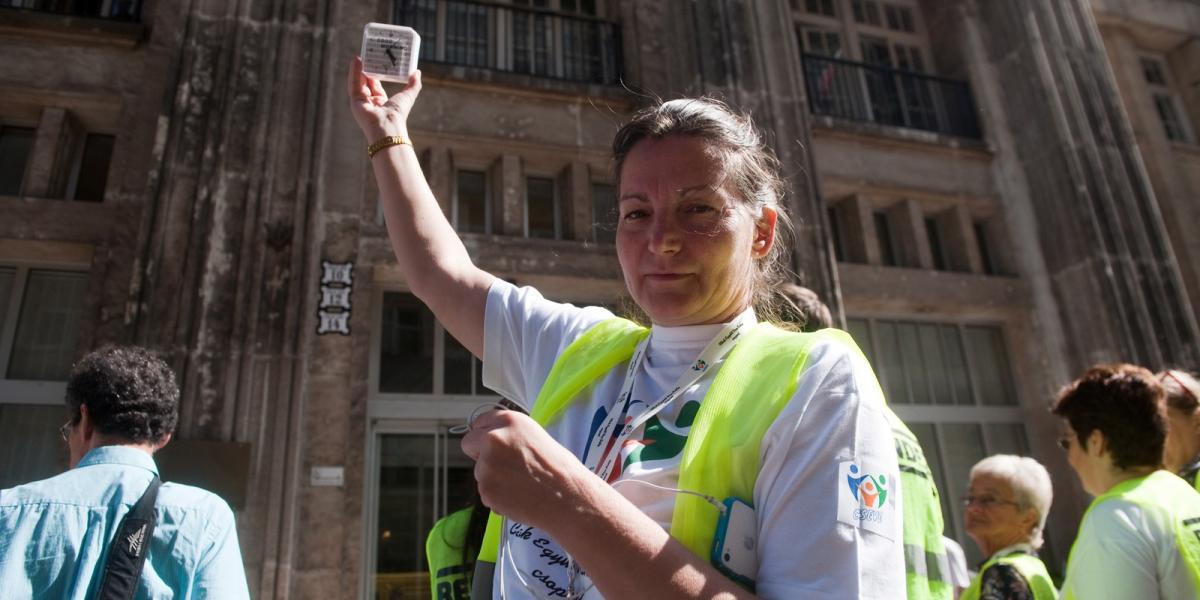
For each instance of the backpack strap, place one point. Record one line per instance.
(129, 547)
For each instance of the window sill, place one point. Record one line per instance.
(898, 136)
(908, 289)
(84, 31)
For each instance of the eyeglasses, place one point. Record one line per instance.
(65, 430)
(986, 502)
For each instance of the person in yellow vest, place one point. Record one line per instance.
(709, 454)
(1182, 452)
(1140, 538)
(450, 550)
(1005, 512)
(928, 567)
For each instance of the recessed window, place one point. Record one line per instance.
(899, 18)
(827, 8)
(418, 356)
(543, 215)
(821, 41)
(1152, 70)
(604, 213)
(472, 212)
(835, 234)
(985, 251)
(48, 308)
(883, 236)
(15, 146)
(89, 177)
(935, 244)
(866, 12)
(1170, 117)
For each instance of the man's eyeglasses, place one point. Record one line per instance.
(65, 430)
(986, 502)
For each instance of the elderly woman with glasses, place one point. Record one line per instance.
(1182, 452)
(1005, 512)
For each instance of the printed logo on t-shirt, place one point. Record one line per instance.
(660, 440)
(866, 500)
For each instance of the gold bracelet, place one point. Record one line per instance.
(387, 142)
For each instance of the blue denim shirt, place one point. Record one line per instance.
(54, 533)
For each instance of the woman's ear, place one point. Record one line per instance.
(764, 232)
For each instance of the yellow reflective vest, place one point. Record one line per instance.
(1173, 499)
(721, 456)
(449, 576)
(1028, 566)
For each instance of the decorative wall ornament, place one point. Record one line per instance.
(337, 281)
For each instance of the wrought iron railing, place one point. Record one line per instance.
(117, 10)
(861, 92)
(514, 39)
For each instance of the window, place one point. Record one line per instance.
(951, 383)
(899, 18)
(417, 356)
(90, 173)
(604, 213)
(835, 234)
(472, 211)
(935, 244)
(824, 42)
(883, 236)
(1166, 103)
(40, 313)
(15, 145)
(543, 215)
(985, 253)
(827, 8)
(866, 12)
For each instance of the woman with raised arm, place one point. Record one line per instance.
(709, 455)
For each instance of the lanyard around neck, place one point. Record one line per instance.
(605, 445)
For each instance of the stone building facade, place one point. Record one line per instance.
(991, 195)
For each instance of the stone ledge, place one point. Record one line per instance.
(84, 31)
(524, 83)
(898, 136)
(915, 291)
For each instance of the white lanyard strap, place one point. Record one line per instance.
(605, 445)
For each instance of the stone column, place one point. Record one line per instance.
(1114, 279)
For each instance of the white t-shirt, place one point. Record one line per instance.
(806, 496)
(1125, 553)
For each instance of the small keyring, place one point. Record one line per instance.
(464, 428)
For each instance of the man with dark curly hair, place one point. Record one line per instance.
(1139, 538)
(56, 534)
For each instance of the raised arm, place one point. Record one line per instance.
(430, 254)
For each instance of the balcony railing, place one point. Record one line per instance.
(514, 39)
(117, 10)
(861, 92)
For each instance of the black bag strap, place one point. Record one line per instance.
(128, 550)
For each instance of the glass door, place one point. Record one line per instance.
(419, 474)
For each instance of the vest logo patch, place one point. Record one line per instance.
(136, 539)
(866, 499)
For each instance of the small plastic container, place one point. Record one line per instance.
(389, 52)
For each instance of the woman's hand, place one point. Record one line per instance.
(376, 114)
(523, 473)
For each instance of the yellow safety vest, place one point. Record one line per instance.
(1175, 502)
(1028, 566)
(926, 566)
(449, 577)
(721, 455)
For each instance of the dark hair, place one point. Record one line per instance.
(804, 308)
(1125, 403)
(130, 393)
(1182, 390)
(748, 161)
